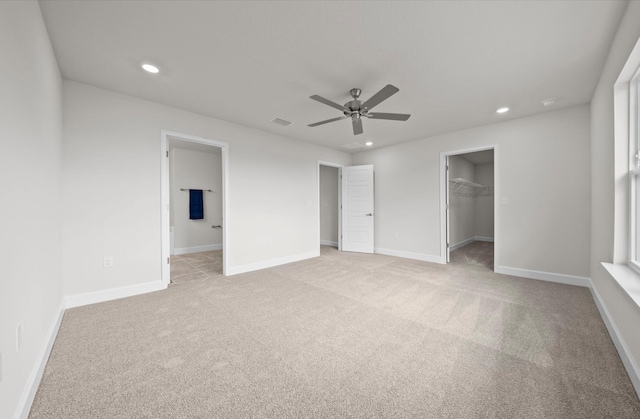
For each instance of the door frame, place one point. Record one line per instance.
(165, 198)
(339, 167)
(444, 221)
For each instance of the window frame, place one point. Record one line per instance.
(634, 170)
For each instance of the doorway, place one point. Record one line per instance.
(194, 179)
(329, 205)
(469, 207)
(355, 203)
(329, 202)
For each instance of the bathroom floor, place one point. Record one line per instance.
(194, 266)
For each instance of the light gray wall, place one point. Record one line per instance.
(483, 211)
(624, 313)
(112, 174)
(329, 204)
(543, 168)
(461, 208)
(30, 181)
(195, 170)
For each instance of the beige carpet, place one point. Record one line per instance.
(342, 335)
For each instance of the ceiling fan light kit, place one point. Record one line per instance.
(356, 109)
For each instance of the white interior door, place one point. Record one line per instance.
(357, 209)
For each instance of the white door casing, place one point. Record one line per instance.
(165, 194)
(448, 212)
(357, 209)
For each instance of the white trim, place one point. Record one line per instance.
(461, 244)
(328, 243)
(409, 255)
(84, 299)
(579, 281)
(627, 278)
(484, 239)
(443, 196)
(471, 240)
(197, 249)
(29, 393)
(621, 346)
(165, 196)
(250, 267)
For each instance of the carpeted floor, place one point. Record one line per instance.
(342, 335)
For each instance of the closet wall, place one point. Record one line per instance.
(471, 208)
(191, 169)
(461, 207)
(484, 204)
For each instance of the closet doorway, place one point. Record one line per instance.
(469, 207)
(329, 219)
(194, 208)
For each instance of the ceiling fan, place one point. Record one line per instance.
(356, 109)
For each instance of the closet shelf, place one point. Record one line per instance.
(464, 187)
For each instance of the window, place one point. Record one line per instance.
(634, 171)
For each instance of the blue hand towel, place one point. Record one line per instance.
(196, 204)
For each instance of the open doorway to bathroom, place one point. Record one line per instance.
(194, 208)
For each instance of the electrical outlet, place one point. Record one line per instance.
(396, 236)
(108, 261)
(18, 337)
(505, 201)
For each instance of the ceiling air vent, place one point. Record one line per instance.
(281, 122)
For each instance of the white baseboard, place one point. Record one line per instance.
(29, 393)
(484, 239)
(580, 281)
(84, 299)
(197, 249)
(328, 243)
(471, 240)
(618, 341)
(235, 270)
(462, 243)
(409, 255)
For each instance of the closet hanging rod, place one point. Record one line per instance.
(204, 190)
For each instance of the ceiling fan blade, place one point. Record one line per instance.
(328, 102)
(327, 121)
(383, 94)
(357, 126)
(392, 116)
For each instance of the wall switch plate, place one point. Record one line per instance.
(108, 261)
(505, 201)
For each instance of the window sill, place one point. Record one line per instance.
(627, 278)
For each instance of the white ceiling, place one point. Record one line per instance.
(455, 62)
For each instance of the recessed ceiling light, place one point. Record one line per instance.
(549, 102)
(503, 110)
(150, 68)
(368, 143)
